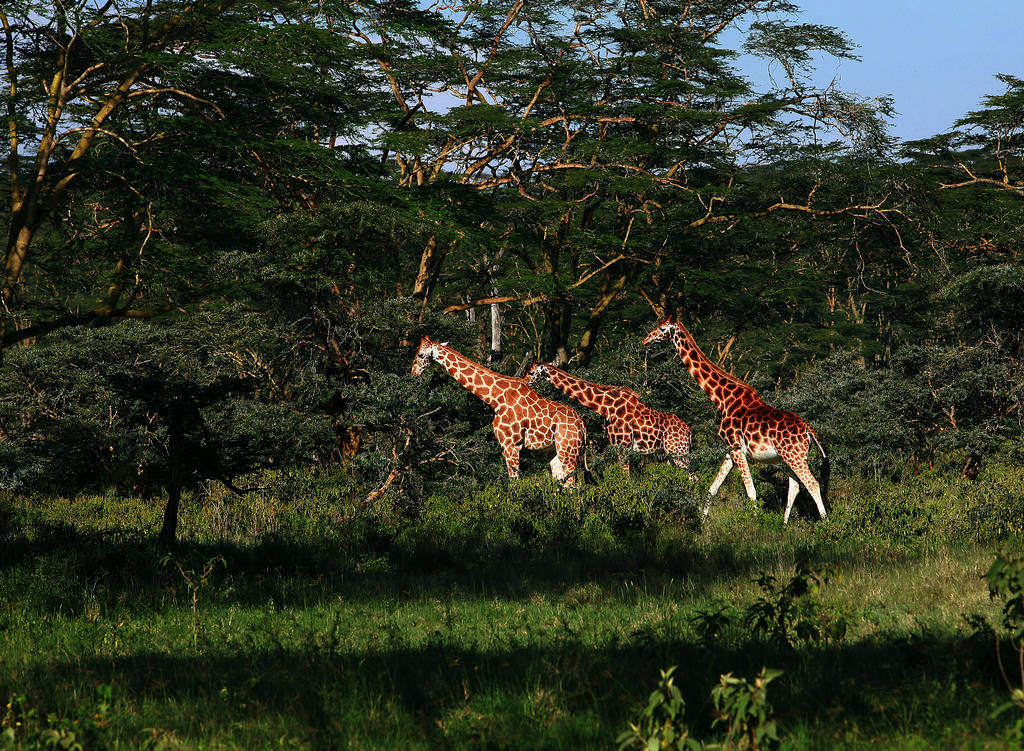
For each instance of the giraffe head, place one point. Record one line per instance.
(538, 371)
(426, 353)
(662, 332)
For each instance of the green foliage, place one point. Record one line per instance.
(536, 514)
(86, 727)
(742, 706)
(991, 509)
(709, 624)
(660, 726)
(931, 400)
(105, 404)
(989, 304)
(929, 509)
(197, 580)
(350, 622)
(1005, 579)
(789, 613)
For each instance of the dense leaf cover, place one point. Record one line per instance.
(230, 222)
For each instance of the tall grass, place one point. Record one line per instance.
(514, 616)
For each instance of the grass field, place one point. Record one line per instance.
(499, 617)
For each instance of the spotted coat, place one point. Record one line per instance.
(752, 430)
(522, 417)
(629, 422)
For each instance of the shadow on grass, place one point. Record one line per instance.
(561, 695)
(59, 567)
(552, 689)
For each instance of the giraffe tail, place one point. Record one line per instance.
(588, 476)
(826, 468)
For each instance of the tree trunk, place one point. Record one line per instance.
(610, 289)
(557, 327)
(176, 435)
(496, 317)
(431, 260)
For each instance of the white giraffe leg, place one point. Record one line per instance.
(801, 470)
(794, 488)
(722, 474)
(748, 480)
(815, 490)
(557, 470)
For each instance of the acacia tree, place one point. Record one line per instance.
(91, 61)
(610, 137)
(986, 146)
(975, 220)
(148, 138)
(171, 131)
(166, 405)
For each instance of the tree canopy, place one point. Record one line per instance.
(230, 214)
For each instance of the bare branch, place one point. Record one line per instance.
(534, 299)
(182, 94)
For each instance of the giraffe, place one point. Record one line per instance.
(522, 416)
(629, 422)
(750, 428)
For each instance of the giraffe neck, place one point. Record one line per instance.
(596, 397)
(722, 388)
(474, 377)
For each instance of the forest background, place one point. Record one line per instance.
(230, 222)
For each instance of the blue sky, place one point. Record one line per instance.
(936, 58)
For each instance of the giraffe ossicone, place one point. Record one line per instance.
(629, 423)
(522, 417)
(752, 430)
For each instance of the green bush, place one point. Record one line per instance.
(740, 705)
(929, 401)
(991, 508)
(659, 725)
(1005, 579)
(534, 513)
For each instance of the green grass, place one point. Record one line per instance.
(501, 617)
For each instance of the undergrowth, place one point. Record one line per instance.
(514, 615)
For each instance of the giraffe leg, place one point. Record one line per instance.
(748, 480)
(509, 448)
(815, 490)
(723, 472)
(799, 466)
(794, 488)
(568, 444)
(511, 453)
